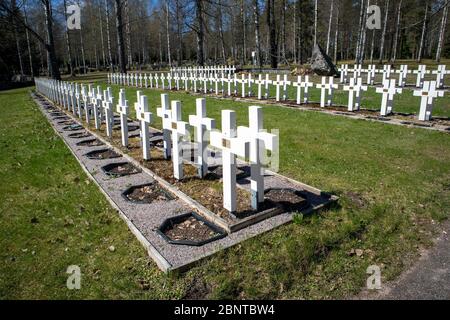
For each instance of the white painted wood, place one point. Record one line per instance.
(427, 95)
(389, 90)
(122, 109)
(108, 111)
(165, 114)
(202, 125)
(179, 129)
(306, 85)
(146, 118)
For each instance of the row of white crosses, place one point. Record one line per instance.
(387, 71)
(209, 70)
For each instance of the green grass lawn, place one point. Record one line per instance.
(394, 184)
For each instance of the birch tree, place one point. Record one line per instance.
(422, 38)
(442, 32)
(329, 26)
(383, 35)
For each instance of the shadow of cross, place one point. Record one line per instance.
(259, 141)
(201, 124)
(230, 146)
(164, 113)
(427, 94)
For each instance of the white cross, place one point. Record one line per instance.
(285, 84)
(186, 79)
(386, 72)
(164, 113)
(122, 109)
(201, 124)
(402, 74)
(235, 84)
(243, 82)
(427, 94)
(177, 81)
(179, 129)
(421, 72)
(145, 80)
(136, 78)
(150, 78)
(278, 83)
(85, 98)
(156, 77)
(140, 80)
(229, 80)
(267, 83)
(440, 74)
(230, 146)
(95, 105)
(388, 90)
(169, 80)
(258, 141)
(107, 107)
(306, 85)
(146, 118)
(78, 97)
(326, 89)
(163, 79)
(344, 73)
(260, 83)
(355, 87)
(357, 69)
(250, 82)
(371, 71)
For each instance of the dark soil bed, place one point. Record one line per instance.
(73, 128)
(148, 194)
(90, 143)
(190, 229)
(103, 154)
(121, 169)
(79, 135)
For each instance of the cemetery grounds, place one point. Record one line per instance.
(393, 183)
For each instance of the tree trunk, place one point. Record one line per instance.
(244, 36)
(383, 35)
(397, 32)
(50, 46)
(272, 34)
(329, 26)
(168, 34)
(257, 33)
(128, 33)
(16, 37)
(82, 51)
(108, 35)
(442, 33)
(336, 36)
(68, 48)
(220, 25)
(101, 36)
(359, 41)
(200, 32)
(27, 33)
(422, 38)
(120, 42)
(179, 35)
(283, 31)
(316, 9)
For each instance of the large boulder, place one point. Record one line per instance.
(321, 64)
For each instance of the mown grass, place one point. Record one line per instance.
(394, 184)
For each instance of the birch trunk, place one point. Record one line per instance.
(422, 38)
(128, 34)
(383, 35)
(28, 43)
(120, 42)
(329, 26)
(108, 36)
(315, 22)
(101, 36)
(257, 35)
(397, 31)
(442, 33)
(358, 40)
(168, 34)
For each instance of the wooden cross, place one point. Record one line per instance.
(229, 80)
(355, 87)
(169, 80)
(95, 105)
(164, 113)
(250, 82)
(177, 81)
(86, 104)
(179, 129)
(260, 83)
(386, 72)
(156, 77)
(357, 69)
(427, 94)
(235, 84)
(306, 85)
(258, 141)
(440, 74)
(298, 84)
(402, 75)
(146, 118)
(243, 82)
(421, 72)
(122, 109)
(371, 71)
(344, 73)
(389, 90)
(163, 79)
(201, 124)
(285, 84)
(230, 146)
(278, 83)
(107, 107)
(267, 84)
